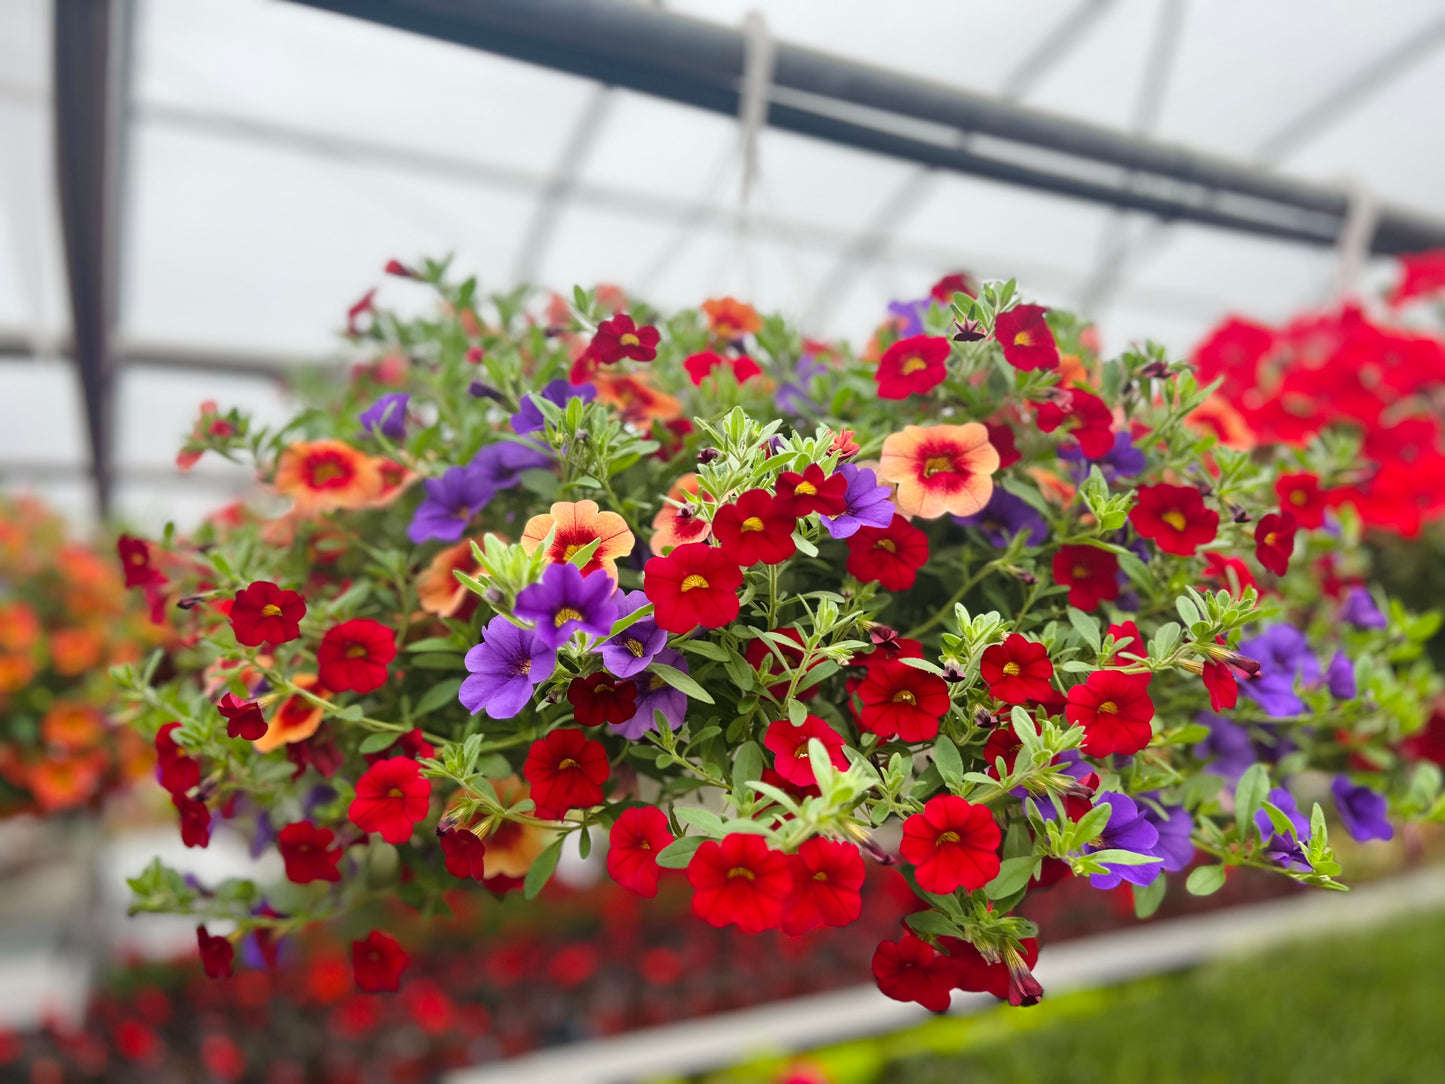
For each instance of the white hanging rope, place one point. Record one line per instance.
(760, 53)
(1353, 244)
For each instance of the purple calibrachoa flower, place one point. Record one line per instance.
(387, 415)
(1284, 850)
(1005, 516)
(1284, 655)
(528, 418)
(869, 503)
(1340, 677)
(1128, 830)
(451, 502)
(911, 313)
(1228, 751)
(1123, 461)
(1364, 811)
(654, 695)
(631, 650)
(1360, 610)
(792, 395)
(505, 667)
(565, 601)
(502, 464)
(1174, 825)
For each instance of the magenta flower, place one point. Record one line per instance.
(505, 667)
(566, 602)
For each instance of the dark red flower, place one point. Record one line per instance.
(755, 527)
(1127, 638)
(392, 797)
(175, 771)
(399, 269)
(217, 954)
(566, 770)
(309, 854)
(943, 290)
(353, 655)
(243, 717)
(1223, 687)
(601, 698)
(698, 366)
(827, 879)
(1115, 711)
(890, 555)
(464, 852)
(265, 614)
(1090, 574)
(135, 562)
(1300, 495)
(1088, 416)
(1274, 541)
(973, 972)
(634, 842)
(695, 584)
(952, 844)
(195, 820)
(811, 491)
(789, 746)
(909, 969)
(620, 338)
(377, 962)
(912, 366)
(740, 880)
(761, 655)
(1004, 442)
(1174, 518)
(1017, 670)
(1002, 741)
(901, 701)
(1027, 342)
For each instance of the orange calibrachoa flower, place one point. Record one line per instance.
(324, 475)
(636, 400)
(730, 318)
(438, 590)
(674, 526)
(74, 651)
(64, 781)
(70, 725)
(15, 672)
(296, 719)
(396, 479)
(940, 468)
(19, 627)
(576, 524)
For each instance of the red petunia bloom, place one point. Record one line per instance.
(195, 820)
(411, 744)
(1223, 686)
(1089, 417)
(1090, 574)
(601, 698)
(827, 879)
(952, 844)
(1027, 342)
(135, 562)
(1301, 496)
(377, 962)
(464, 852)
(901, 701)
(910, 969)
(620, 338)
(217, 954)
(243, 717)
(760, 655)
(755, 527)
(740, 880)
(890, 555)
(802, 494)
(1004, 442)
(265, 614)
(693, 585)
(1422, 274)
(1017, 670)
(1127, 637)
(973, 972)
(1174, 518)
(700, 366)
(1274, 541)
(943, 290)
(175, 771)
(353, 655)
(392, 797)
(634, 842)
(566, 770)
(789, 746)
(1229, 572)
(912, 366)
(308, 853)
(1002, 741)
(1115, 711)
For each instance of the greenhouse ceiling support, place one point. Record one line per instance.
(855, 104)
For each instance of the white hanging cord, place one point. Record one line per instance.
(1353, 243)
(759, 55)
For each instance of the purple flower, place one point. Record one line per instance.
(528, 418)
(1340, 677)
(1174, 825)
(1123, 461)
(910, 315)
(1363, 810)
(1005, 516)
(451, 502)
(631, 650)
(868, 503)
(1284, 850)
(792, 397)
(1284, 656)
(387, 414)
(1128, 830)
(1360, 610)
(503, 463)
(1228, 750)
(505, 667)
(654, 695)
(566, 602)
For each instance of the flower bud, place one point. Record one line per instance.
(967, 331)
(1155, 370)
(1240, 515)
(1023, 988)
(953, 673)
(474, 355)
(190, 602)
(882, 635)
(708, 455)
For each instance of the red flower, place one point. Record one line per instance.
(902, 701)
(635, 840)
(1003, 441)
(1090, 574)
(693, 585)
(1300, 495)
(973, 972)
(1002, 741)
(195, 820)
(354, 655)
(1017, 670)
(1175, 518)
(912, 366)
(911, 970)
(265, 614)
(1223, 687)
(600, 698)
(755, 527)
(217, 954)
(1422, 274)
(566, 770)
(890, 555)
(464, 852)
(1027, 342)
(620, 338)
(377, 962)
(411, 744)
(1115, 711)
(1274, 541)
(392, 797)
(1089, 415)
(740, 880)
(943, 290)
(1127, 638)
(175, 771)
(761, 655)
(789, 746)
(308, 853)
(243, 717)
(698, 366)
(135, 562)
(1220, 568)
(952, 844)
(810, 491)
(827, 877)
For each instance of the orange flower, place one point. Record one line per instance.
(324, 475)
(74, 651)
(940, 468)
(65, 781)
(396, 479)
(578, 523)
(1072, 370)
(15, 672)
(438, 590)
(1217, 415)
(730, 318)
(512, 847)
(296, 719)
(635, 398)
(71, 726)
(675, 526)
(19, 627)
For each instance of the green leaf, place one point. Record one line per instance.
(931, 923)
(437, 662)
(1013, 874)
(541, 871)
(1147, 898)
(678, 680)
(1086, 627)
(626, 621)
(949, 763)
(1249, 795)
(434, 643)
(375, 743)
(1205, 881)
(585, 552)
(705, 648)
(747, 765)
(444, 692)
(678, 853)
(1117, 857)
(705, 819)
(1280, 821)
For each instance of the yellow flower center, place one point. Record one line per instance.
(326, 471)
(946, 837)
(270, 610)
(805, 489)
(565, 614)
(634, 646)
(568, 762)
(693, 582)
(753, 523)
(571, 551)
(886, 544)
(1269, 539)
(903, 696)
(1298, 497)
(1080, 572)
(1108, 707)
(913, 365)
(821, 875)
(524, 667)
(1011, 669)
(1022, 339)
(1175, 520)
(356, 651)
(741, 871)
(937, 464)
(395, 792)
(628, 339)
